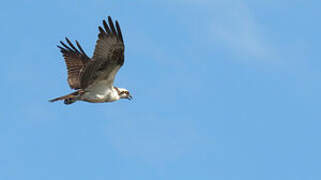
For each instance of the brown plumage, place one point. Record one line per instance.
(109, 52)
(75, 62)
(108, 55)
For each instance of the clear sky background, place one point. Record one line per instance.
(223, 89)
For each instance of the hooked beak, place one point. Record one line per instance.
(130, 97)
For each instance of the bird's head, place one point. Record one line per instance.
(124, 94)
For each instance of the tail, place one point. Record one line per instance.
(69, 98)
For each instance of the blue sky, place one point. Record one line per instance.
(224, 90)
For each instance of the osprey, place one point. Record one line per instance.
(93, 78)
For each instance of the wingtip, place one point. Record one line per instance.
(110, 19)
(101, 30)
(68, 41)
(120, 35)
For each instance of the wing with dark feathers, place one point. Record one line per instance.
(75, 61)
(108, 56)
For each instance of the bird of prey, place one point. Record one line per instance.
(93, 78)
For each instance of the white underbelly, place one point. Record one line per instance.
(100, 93)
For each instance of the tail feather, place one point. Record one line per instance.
(69, 98)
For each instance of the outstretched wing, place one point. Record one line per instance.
(75, 61)
(108, 56)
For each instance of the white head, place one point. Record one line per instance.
(124, 94)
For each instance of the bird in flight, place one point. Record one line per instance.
(93, 78)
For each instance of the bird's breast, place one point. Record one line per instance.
(100, 93)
